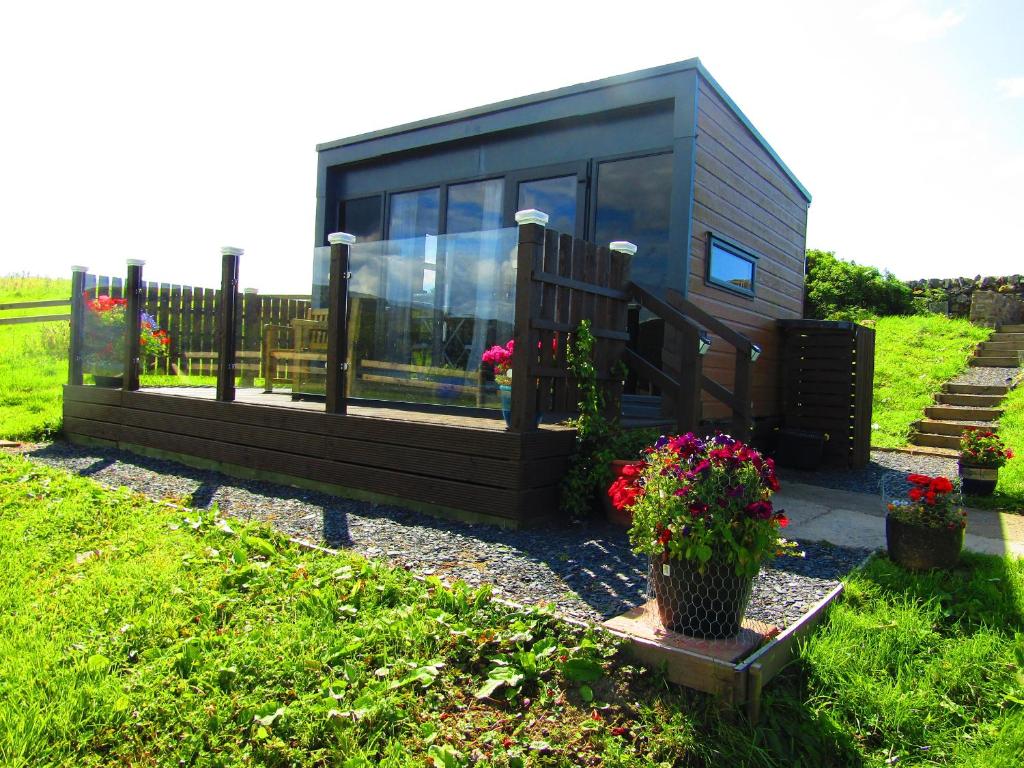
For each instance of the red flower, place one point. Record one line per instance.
(941, 485)
(919, 479)
(929, 498)
(665, 536)
(915, 494)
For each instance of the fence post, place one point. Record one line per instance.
(133, 324)
(250, 334)
(227, 343)
(337, 322)
(691, 371)
(77, 325)
(530, 251)
(742, 411)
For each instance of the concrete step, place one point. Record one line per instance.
(983, 401)
(984, 361)
(940, 427)
(976, 389)
(960, 413)
(950, 442)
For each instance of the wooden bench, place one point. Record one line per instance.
(289, 350)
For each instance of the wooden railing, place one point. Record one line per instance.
(684, 388)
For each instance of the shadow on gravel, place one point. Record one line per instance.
(593, 561)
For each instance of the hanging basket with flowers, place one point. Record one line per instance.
(702, 512)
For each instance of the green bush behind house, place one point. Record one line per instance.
(843, 290)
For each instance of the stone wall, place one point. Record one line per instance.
(995, 309)
(954, 295)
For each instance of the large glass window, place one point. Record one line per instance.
(730, 266)
(414, 214)
(556, 197)
(475, 206)
(361, 217)
(633, 198)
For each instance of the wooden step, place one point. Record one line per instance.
(976, 389)
(950, 442)
(982, 401)
(1001, 336)
(995, 362)
(1001, 347)
(940, 427)
(1018, 328)
(960, 413)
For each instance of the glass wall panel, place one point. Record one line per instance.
(104, 333)
(416, 340)
(633, 198)
(475, 206)
(556, 197)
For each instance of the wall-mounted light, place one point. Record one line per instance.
(755, 352)
(703, 343)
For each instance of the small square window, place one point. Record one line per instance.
(730, 266)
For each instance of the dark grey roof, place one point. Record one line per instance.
(631, 77)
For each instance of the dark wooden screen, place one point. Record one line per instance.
(827, 377)
(571, 280)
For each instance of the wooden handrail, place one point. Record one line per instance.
(662, 309)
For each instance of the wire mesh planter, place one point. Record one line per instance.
(707, 603)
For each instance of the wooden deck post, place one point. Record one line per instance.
(132, 325)
(250, 334)
(337, 322)
(742, 415)
(77, 325)
(528, 257)
(226, 339)
(691, 372)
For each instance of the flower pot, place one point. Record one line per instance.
(921, 548)
(108, 381)
(800, 449)
(621, 517)
(706, 605)
(505, 391)
(977, 481)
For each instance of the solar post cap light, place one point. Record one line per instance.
(703, 343)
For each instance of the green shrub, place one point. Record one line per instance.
(843, 290)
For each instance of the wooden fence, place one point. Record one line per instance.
(827, 377)
(34, 305)
(189, 315)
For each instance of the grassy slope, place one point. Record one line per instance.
(913, 357)
(33, 360)
(128, 635)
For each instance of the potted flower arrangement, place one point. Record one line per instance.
(925, 530)
(982, 453)
(500, 360)
(702, 511)
(105, 324)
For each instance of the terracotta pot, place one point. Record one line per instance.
(922, 548)
(622, 517)
(977, 481)
(705, 605)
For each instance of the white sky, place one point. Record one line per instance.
(163, 131)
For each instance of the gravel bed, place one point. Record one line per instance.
(867, 480)
(587, 572)
(977, 374)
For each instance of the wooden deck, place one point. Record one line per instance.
(466, 466)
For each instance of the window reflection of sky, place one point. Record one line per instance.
(475, 206)
(728, 268)
(556, 197)
(633, 197)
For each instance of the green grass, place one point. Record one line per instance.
(33, 360)
(914, 356)
(132, 633)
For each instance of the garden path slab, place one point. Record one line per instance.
(849, 519)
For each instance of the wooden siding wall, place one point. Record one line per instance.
(503, 475)
(741, 193)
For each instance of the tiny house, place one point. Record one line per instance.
(662, 158)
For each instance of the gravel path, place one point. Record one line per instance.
(867, 480)
(977, 374)
(588, 572)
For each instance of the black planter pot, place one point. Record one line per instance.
(706, 605)
(108, 381)
(920, 548)
(977, 481)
